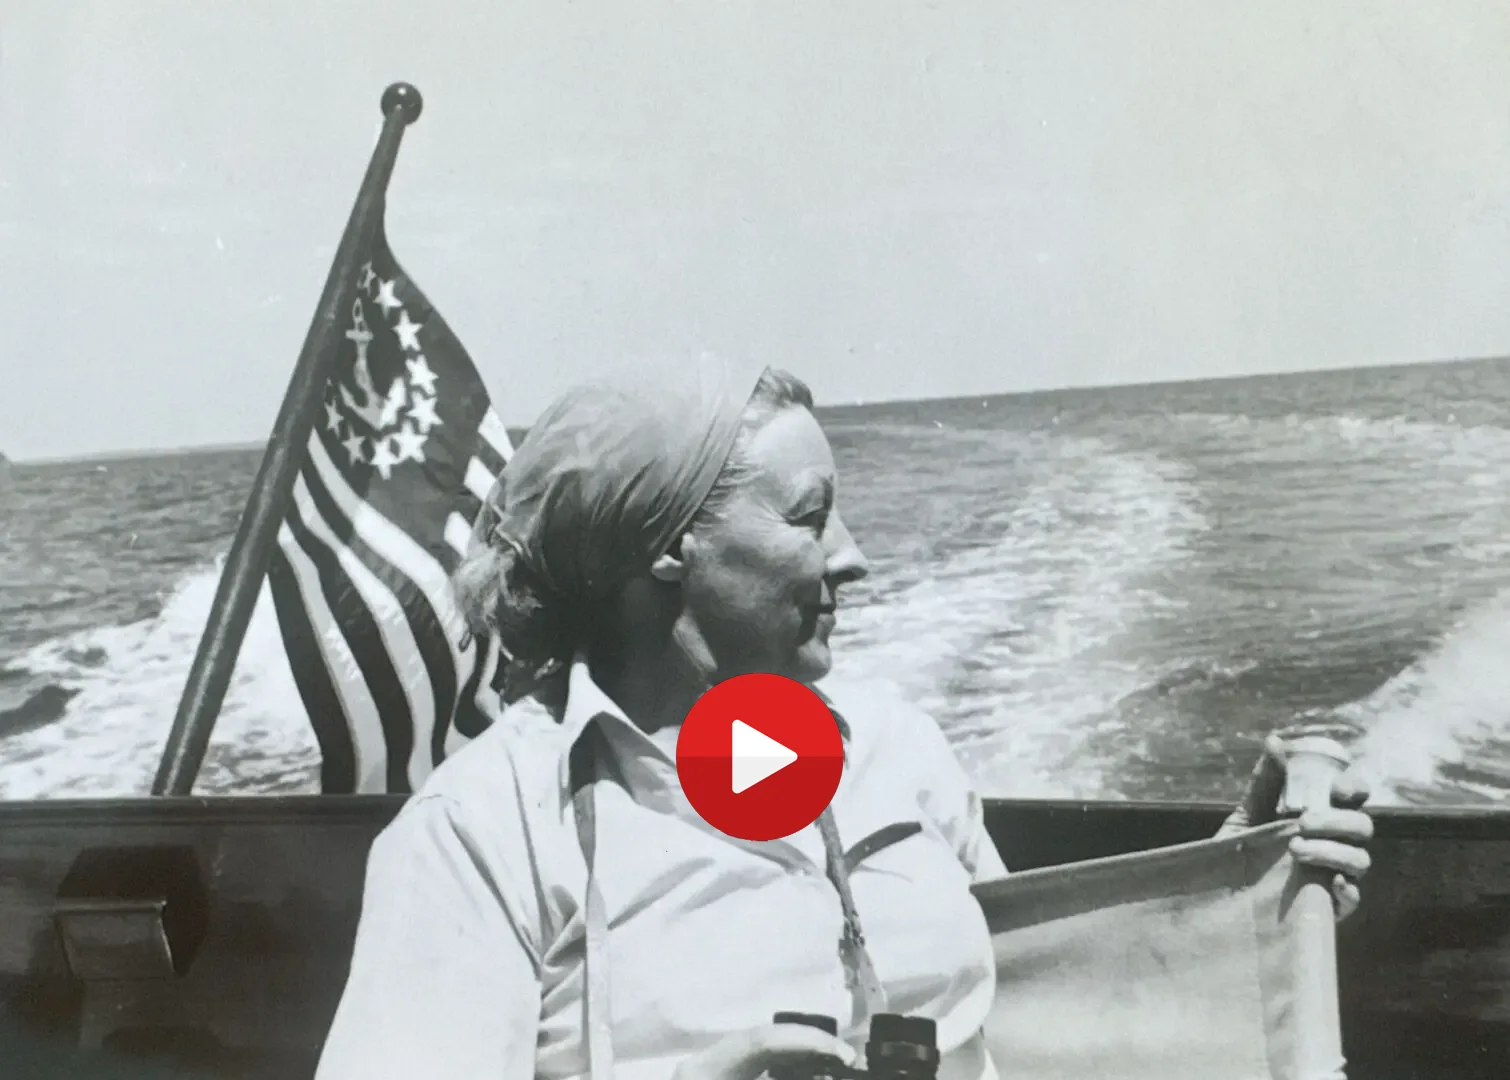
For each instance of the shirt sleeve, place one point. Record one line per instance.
(951, 801)
(444, 978)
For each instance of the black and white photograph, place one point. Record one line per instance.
(680, 541)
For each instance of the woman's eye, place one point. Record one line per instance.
(817, 519)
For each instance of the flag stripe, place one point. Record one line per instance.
(368, 740)
(494, 442)
(349, 612)
(417, 580)
(383, 593)
(458, 533)
(369, 748)
(430, 651)
(306, 659)
(479, 481)
(489, 460)
(430, 579)
(468, 507)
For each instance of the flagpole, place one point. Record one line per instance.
(246, 564)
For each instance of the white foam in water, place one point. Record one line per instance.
(1450, 708)
(1034, 628)
(111, 737)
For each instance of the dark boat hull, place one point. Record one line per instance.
(263, 897)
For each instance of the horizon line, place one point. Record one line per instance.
(145, 453)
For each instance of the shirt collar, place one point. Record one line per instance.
(586, 702)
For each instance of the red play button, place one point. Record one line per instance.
(760, 757)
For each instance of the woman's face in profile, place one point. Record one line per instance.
(761, 583)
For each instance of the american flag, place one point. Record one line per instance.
(392, 479)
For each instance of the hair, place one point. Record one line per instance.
(500, 596)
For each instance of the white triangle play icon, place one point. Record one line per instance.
(755, 757)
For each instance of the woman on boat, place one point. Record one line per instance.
(650, 538)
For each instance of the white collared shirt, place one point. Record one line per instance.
(468, 956)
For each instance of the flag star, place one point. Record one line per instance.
(353, 444)
(408, 332)
(411, 444)
(332, 416)
(382, 457)
(420, 375)
(422, 412)
(386, 296)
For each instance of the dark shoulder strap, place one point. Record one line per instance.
(584, 769)
(859, 972)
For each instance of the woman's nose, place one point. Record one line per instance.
(845, 561)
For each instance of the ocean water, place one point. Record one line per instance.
(1107, 593)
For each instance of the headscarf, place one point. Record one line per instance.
(613, 473)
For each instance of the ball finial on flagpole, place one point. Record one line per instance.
(404, 99)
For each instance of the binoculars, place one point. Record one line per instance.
(899, 1048)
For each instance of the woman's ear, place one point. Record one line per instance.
(669, 567)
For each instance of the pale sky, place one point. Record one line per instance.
(892, 199)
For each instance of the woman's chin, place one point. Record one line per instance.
(813, 661)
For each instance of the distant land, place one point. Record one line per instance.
(141, 455)
(517, 431)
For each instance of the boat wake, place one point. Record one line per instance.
(1023, 642)
(1439, 732)
(96, 717)
(1048, 602)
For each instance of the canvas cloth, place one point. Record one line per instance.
(1175, 964)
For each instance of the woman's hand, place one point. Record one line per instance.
(1334, 838)
(746, 1055)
